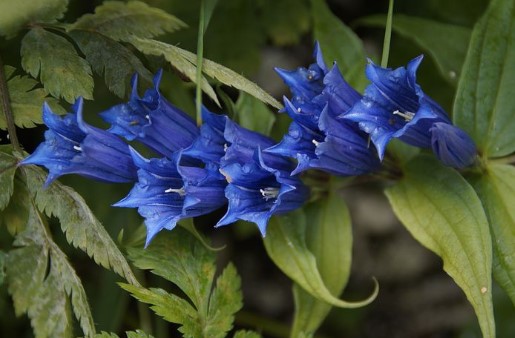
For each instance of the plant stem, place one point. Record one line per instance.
(6, 107)
(200, 52)
(387, 36)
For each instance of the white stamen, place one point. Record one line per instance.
(78, 148)
(225, 147)
(180, 191)
(315, 142)
(269, 193)
(299, 110)
(147, 117)
(408, 116)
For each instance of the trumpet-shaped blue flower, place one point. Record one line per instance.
(171, 189)
(452, 146)
(73, 147)
(152, 120)
(394, 105)
(260, 184)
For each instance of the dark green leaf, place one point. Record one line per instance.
(26, 101)
(180, 258)
(2, 267)
(81, 227)
(246, 334)
(120, 20)
(329, 238)
(339, 43)
(111, 59)
(485, 104)
(285, 29)
(254, 114)
(15, 215)
(442, 211)
(15, 14)
(138, 334)
(40, 279)
(8, 165)
(61, 70)
(286, 245)
(497, 192)
(447, 44)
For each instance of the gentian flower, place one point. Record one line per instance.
(171, 189)
(260, 184)
(73, 147)
(325, 143)
(452, 146)
(152, 120)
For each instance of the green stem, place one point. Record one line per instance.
(200, 52)
(387, 36)
(6, 107)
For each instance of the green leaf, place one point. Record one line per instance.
(442, 211)
(180, 258)
(2, 267)
(447, 44)
(286, 245)
(254, 114)
(339, 43)
(485, 104)
(26, 101)
(81, 227)
(8, 165)
(130, 334)
(15, 215)
(121, 20)
(111, 59)
(496, 189)
(285, 29)
(40, 280)
(171, 54)
(16, 14)
(246, 334)
(61, 70)
(329, 238)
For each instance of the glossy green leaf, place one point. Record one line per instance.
(285, 243)
(16, 14)
(120, 20)
(81, 227)
(172, 55)
(180, 258)
(485, 104)
(40, 280)
(447, 44)
(339, 43)
(8, 165)
(443, 212)
(61, 70)
(253, 114)
(496, 189)
(26, 101)
(110, 59)
(329, 238)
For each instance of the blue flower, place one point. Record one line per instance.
(171, 189)
(73, 147)
(260, 184)
(452, 146)
(152, 120)
(394, 105)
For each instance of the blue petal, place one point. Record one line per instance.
(452, 146)
(339, 94)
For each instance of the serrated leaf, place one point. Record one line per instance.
(40, 280)
(496, 189)
(14, 217)
(170, 53)
(16, 14)
(81, 227)
(286, 29)
(8, 165)
(110, 59)
(447, 44)
(130, 334)
(180, 258)
(442, 211)
(26, 101)
(246, 334)
(253, 114)
(339, 43)
(329, 238)
(121, 20)
(485, 105)
(285, 243)
(61, 70)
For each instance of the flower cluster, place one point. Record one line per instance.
(196, 170)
